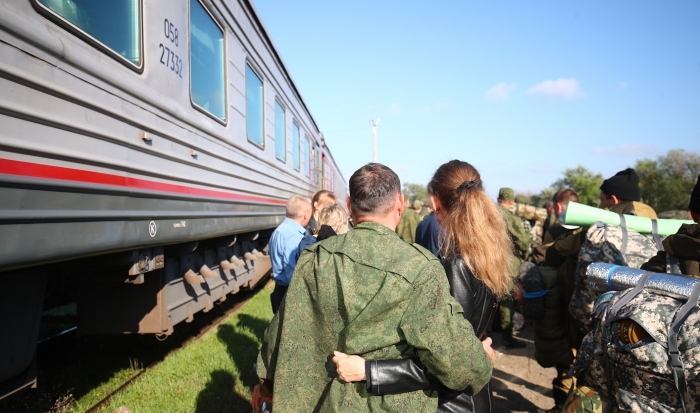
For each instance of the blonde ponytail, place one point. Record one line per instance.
(474, 228)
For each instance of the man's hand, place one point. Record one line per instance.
(487, 348)
(350, 368)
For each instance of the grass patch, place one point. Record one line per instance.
(213, 374)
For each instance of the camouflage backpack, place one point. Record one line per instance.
(612, 245)
(645, 353)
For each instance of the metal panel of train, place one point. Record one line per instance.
(147, 149)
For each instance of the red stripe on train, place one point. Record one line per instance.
(35, 170)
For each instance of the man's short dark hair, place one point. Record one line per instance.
(565, 196)
(373, 189)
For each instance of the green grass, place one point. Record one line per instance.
(213, 374)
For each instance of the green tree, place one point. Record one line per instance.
(524, 198)
(543, 197)
(584, 182)
(666, 182)
(415, 191)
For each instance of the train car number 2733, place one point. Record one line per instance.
(168, 57)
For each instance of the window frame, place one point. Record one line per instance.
(189, 58)
(284, 129)
(297, 146)
(307, 147)
(94, 42)
(255, 70)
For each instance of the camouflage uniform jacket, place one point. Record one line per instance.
(408, 224)
(684, 244)
(634, 208)
(368, 293)
(521, 239)
(551, 219)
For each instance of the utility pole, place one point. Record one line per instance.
(374, 141)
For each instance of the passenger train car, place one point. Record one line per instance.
(147, 149)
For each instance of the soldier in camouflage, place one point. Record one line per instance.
(533, 220)
(521, 247)
(368, 292)
(681, 250)
(521, 238)
(408, 223)
(556, 337)
(620, 193)
(421, 208)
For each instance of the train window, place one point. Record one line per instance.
(316, 169)
(207, 78)
(254, 106)
(111, 25)
(295, 145)
(280, 132)
(305, 155)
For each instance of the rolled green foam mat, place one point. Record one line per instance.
(583, 215)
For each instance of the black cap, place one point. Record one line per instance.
(695, 198)
(624, 185)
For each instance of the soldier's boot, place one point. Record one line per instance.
(508, 341)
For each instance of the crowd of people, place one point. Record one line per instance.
(386, 305)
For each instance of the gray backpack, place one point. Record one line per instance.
(645, 352)
(612, 245)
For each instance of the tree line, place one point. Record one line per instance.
(665, 183)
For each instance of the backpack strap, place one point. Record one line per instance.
(627, 298)
(623, 227)
(674, 267)
(655, 234)
(674, 353)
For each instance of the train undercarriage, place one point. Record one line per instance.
(145, 291)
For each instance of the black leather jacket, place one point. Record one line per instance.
(399, 376)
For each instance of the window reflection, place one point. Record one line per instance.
(280, 133)
(305, 155)
(113, 23)
(207, 62)
(254, 106)
(295, 146)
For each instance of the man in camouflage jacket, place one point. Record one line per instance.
(521, 249)
(521, 238)
(368, 292)
(408, 223)
(683, 245)
(621, 194)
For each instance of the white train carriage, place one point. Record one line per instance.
(147, 149)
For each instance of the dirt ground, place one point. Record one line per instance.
(519, 384)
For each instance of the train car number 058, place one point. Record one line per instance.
(168, 57)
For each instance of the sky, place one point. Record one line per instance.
(521, 90)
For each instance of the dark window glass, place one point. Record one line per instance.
(254, 106)
(207, 62)
(295, 145)
(280, 133)
(113, 23)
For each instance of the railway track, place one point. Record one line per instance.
(241, 298)
(66, 357)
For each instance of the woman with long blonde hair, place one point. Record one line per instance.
(478, 261)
